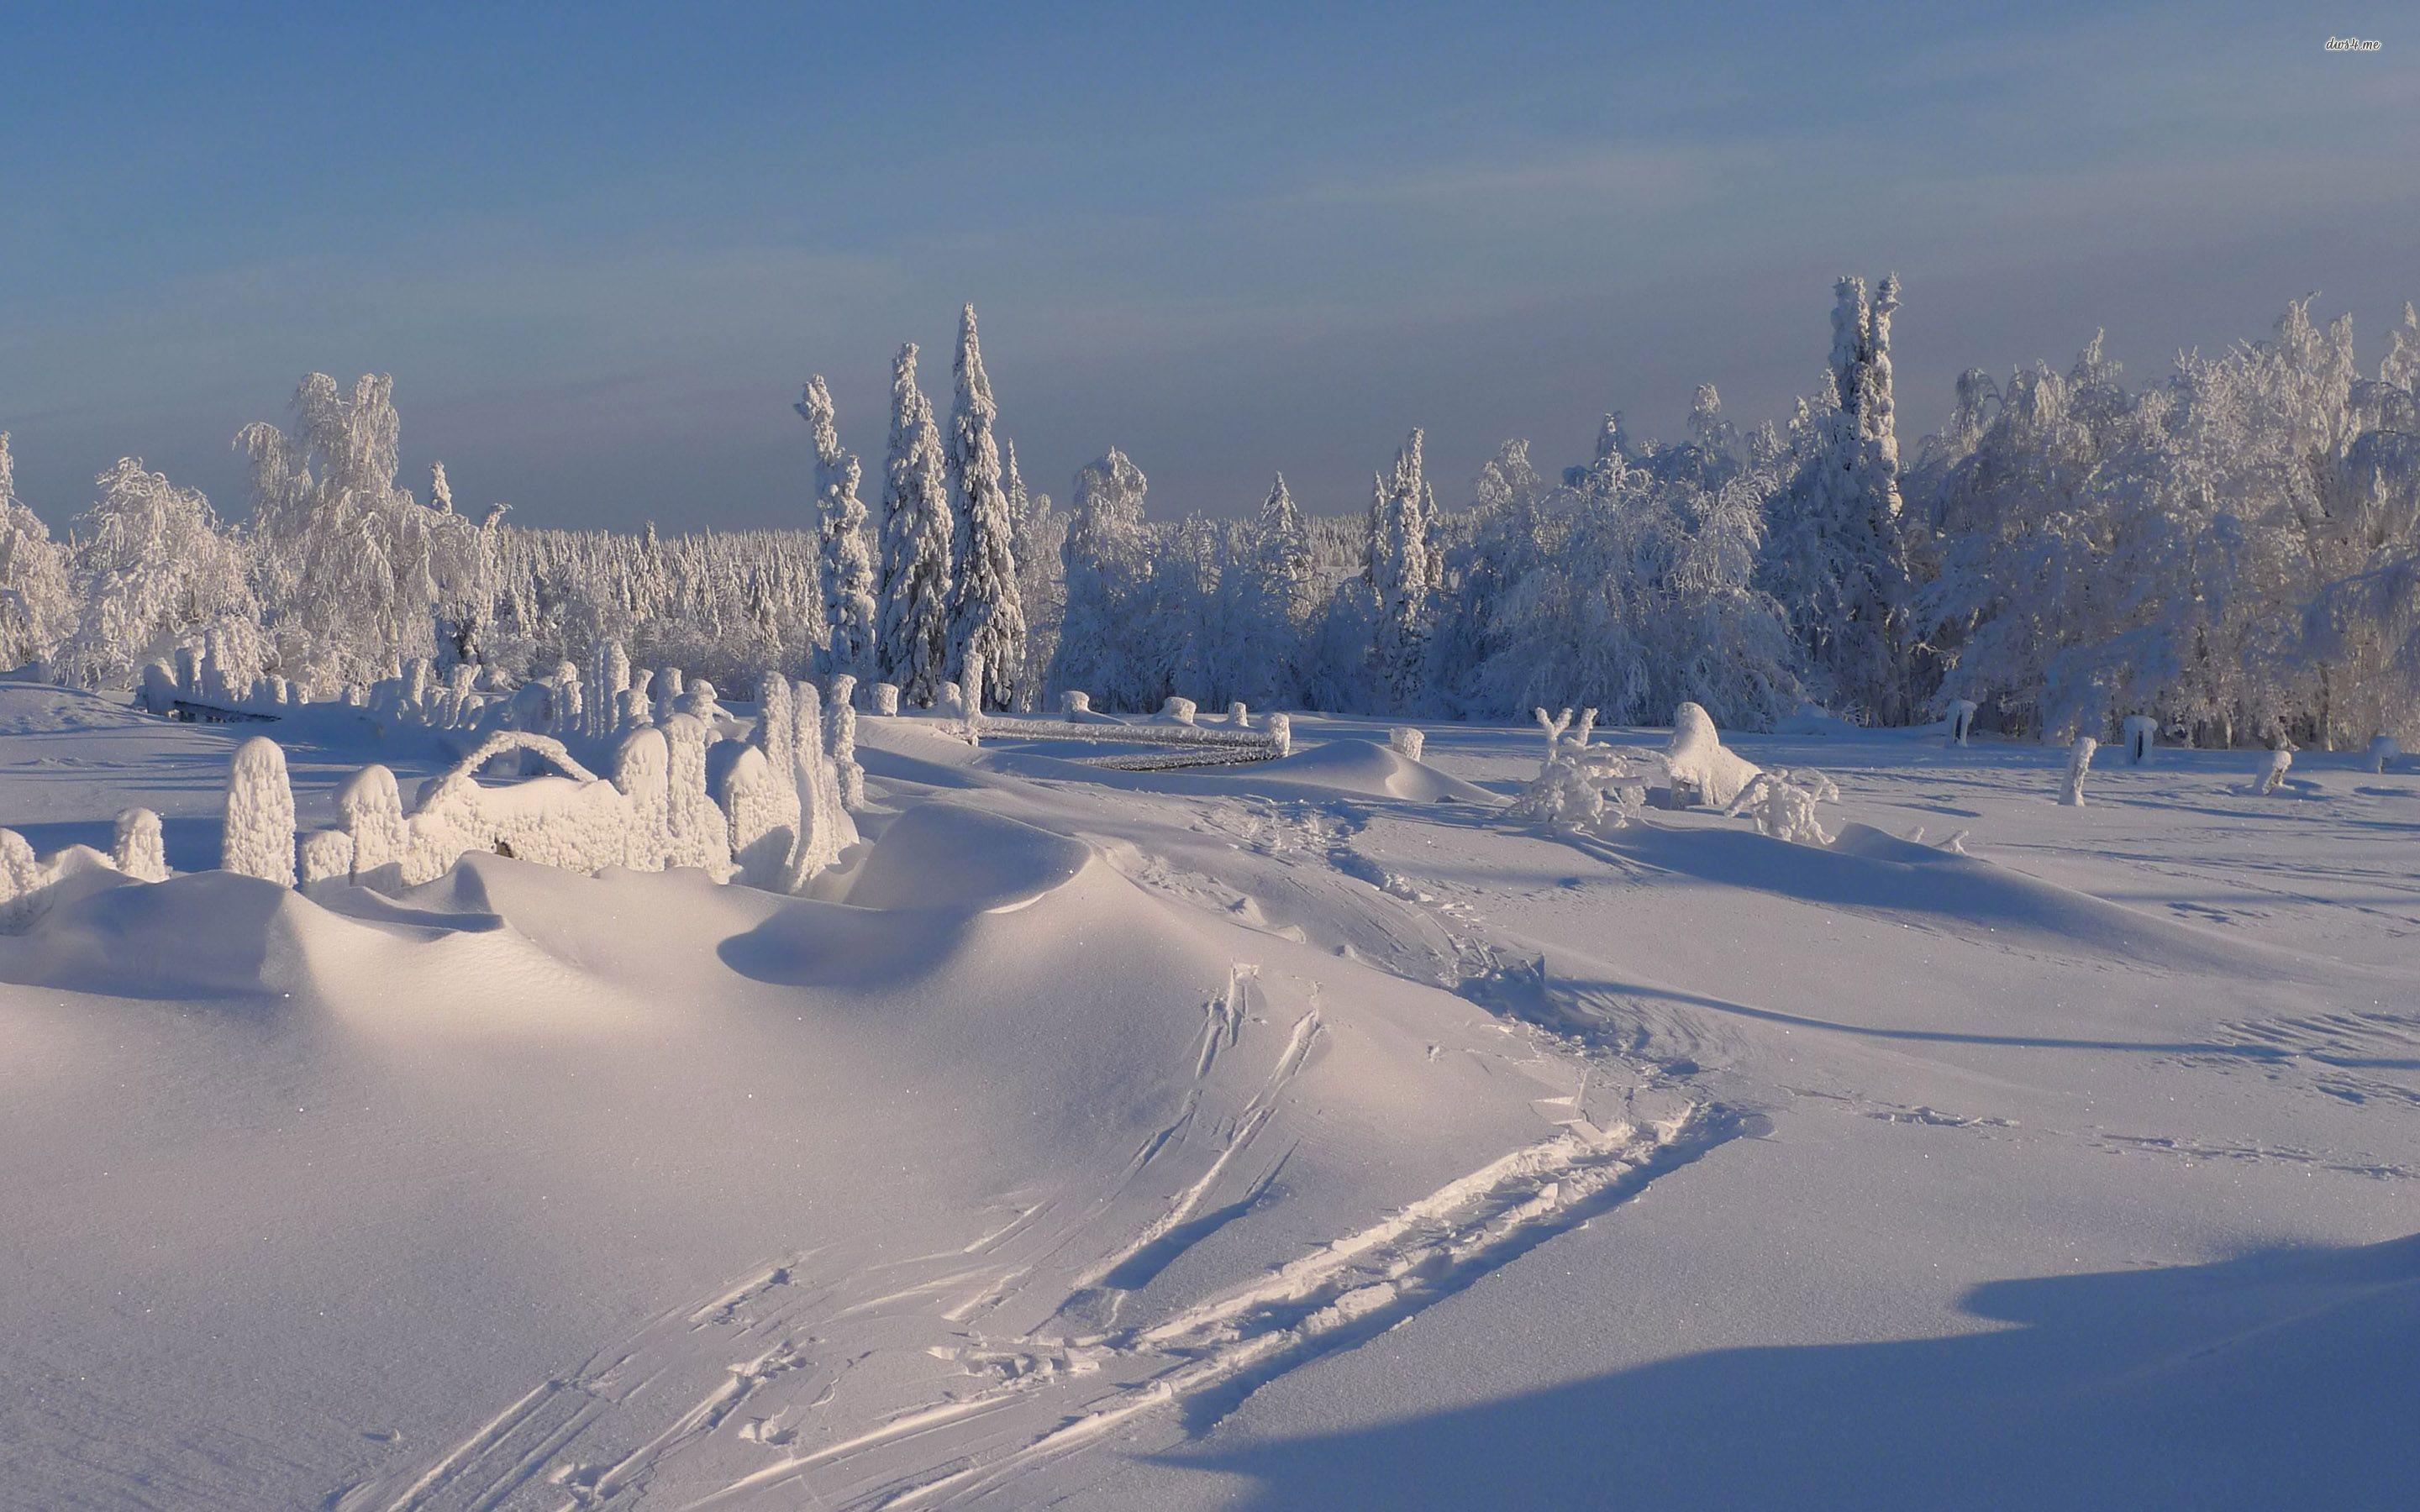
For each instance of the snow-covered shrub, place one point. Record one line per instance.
(1280, 733)
(1075, 701)
(1782, 803)
(700, 701)
(2142, 734)
(885, 698)
(1962, 721)
(2079, 761)
(139, 850)
(699, 835)
(159, 695)
(1239, 716)
(666, 691)
(641, 766)
(1408, 742)
(370, 809)
(574, 821)
(562, 706)
(1179, 709)
(260, 814)
(2281, 761)
(327, 856)
(1587, 727)
(2384, 752)
(761, 816)
(1581, 790)
(950, 700)
(1703, 771)
(1554, 725)
(21, 878)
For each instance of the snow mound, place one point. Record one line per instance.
(212, 935)
(943, 856)
(40, 708)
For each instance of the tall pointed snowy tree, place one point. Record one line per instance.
(1400, 575)
(986, 617)
(1835, 555)
(1271, 594)
(845, 566)
(912, 636)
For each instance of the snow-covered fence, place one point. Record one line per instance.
(1274, 738)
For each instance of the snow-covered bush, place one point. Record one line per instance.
(886, 699)
(762, 818)
(700, 701)
(1179, 709)
(1408, 742)
(260, 814)
(1554, 725)
(2079, 761)
(2281, 761)
(159, 694)
(369, 807)
(327, 856)
(1587, 727)
(2142, 734)
(642, 764)
(1075, 701)
(139, 850)
(1588, 790)
(1703, 770)
(1782, 803)
(700, 837)
(21, 878)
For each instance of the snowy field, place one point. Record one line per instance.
(1299, 1133)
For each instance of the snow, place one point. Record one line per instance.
(1312, 1132)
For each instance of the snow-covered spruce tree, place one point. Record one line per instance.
(913, 638)
(1833, 555)
(1107, 573)
(846, 562)
(260, 814)
(1401, 575)
(986, 619)
(1270, 593)
(152, 570)
(37, 610)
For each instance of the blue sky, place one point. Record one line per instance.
(600, 246)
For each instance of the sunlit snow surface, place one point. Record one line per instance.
(1299, 1133)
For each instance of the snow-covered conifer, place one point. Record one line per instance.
(986, 619)
(1108, 575)
(774, 731)
(699, 835)
(844, 559)
(369, 807)
(913, 634)
(326, 856)
(1400, 575)
(260, 814)
(37, 610)
(762, 823)
(641, 767)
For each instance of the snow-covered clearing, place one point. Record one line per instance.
(1307, 1132)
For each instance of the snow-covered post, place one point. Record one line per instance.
(886, 699)
(1554, 727)
(2384, 752)
(760, 826)
(2079, 761)
(1239, 716)
(1408, 742)
(1075, 701)
(699, 835)
(139, 850)
(2281, 761)
(1962, 721)
(840, 691)
(1179, 709)
(369, 807)
(260, 814)
(327, 857)
(2142, 732)
(1280, 733)
(641, 766)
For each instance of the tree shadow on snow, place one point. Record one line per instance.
(2284, 1378)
